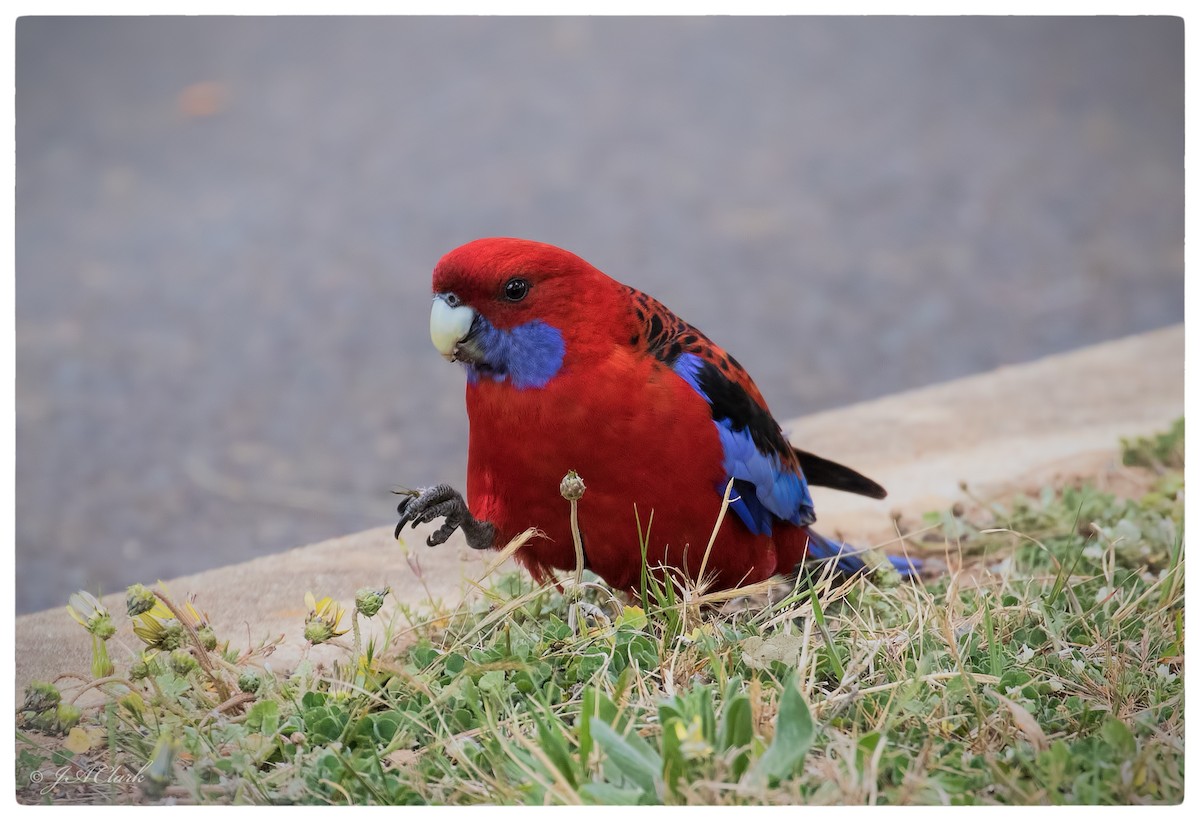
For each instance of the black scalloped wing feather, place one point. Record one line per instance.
(733, 396)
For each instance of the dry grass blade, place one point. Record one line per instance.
(1024, 720)
(509, 551)
(716, 529)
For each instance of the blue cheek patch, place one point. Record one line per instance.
(528, 355)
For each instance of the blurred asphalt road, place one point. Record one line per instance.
(225, 230)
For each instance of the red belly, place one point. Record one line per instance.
(640, 438)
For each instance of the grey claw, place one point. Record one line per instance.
(441, 534)
(400, 508)
(445, 502)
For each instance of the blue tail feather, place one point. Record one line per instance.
(847, 559)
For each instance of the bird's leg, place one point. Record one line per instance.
(431, 503)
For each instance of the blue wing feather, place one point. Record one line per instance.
(768, 483)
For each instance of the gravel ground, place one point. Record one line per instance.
(225, 229)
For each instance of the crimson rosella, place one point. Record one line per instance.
(568, 369)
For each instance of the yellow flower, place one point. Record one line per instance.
(88, 611)
(368, 665)
(198, 618)
(324, 618)
(159, 628)
(692, 743)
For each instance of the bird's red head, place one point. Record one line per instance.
(511, 281)
(515, 308)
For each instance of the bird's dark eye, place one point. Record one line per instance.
(516, 289)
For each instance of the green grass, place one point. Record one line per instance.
(1045, 667)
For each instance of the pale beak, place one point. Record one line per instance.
(449, 326)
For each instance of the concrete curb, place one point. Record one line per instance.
(1015, 428)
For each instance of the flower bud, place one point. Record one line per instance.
(139, 599)
(134, 703)
(208, 639)
(249, 682)
(102, 627)
(41, 695)
(317, 631)
(67, 716)
(172, 635)
(56, 720)
(572, 487)
(368, 601)
(182, 662)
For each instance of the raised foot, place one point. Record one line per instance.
(442, 501)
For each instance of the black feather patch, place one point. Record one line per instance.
(729, 400)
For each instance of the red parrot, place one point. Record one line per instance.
(568, 369)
